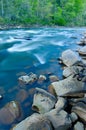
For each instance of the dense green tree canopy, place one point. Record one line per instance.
(43, 12)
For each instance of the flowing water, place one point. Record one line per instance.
(19, 55)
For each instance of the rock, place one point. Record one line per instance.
(69, 57)
(53, 78)
(1, 97)
(78, 126)
(41, 78)
(80, 109)
(43, 101)
(68, 87)
(60, 120)
(9, 113)
(61, 103)
(82, 51)
(28, 78)
(34, 122)
(21, 95)
(73, 117)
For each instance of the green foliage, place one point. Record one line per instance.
(43, 12)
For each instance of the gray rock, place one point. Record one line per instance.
(73, 117)
(41, 78)
(82, 51)
(34, 122)
(80, 110)
(28, 78)
(9, 113)
(69, 57)
(61, 103)
(53, 78)
(60, 120)
(68, 87)
(78, 126)
(43, 101)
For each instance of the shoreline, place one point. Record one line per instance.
(7, 27)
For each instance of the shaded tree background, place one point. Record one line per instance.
(43, 12)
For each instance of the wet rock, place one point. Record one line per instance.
(73, 117)
(60, 120)
(41, 78)
(80, 110)
(68, 87)
(61, 103)
(28, 78)
(69, 57)
(9, 113)
(1, 97)
(34, 122)
(22, 95)
(43, 101)
(82, 51)
(78, 126)
(53, 78)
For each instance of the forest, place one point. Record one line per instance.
(43, 12)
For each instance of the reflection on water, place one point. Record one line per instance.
(38, 55)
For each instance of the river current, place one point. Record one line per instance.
(39, 54)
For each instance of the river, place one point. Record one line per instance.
(39, 54)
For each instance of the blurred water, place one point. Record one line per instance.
(38, 55)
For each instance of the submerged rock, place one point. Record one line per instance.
(28, 78)
(43, 101)
(78, 126)
(68, 87)
(80, 109)
(41, 78)
(34, 122)
(1, 97)
(9, 113)
(60, 120)
(69, 57)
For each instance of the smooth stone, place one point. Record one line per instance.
(34, 122)
(28, 78)
(78, 126)
(68, 87)
(82, 51)
(9, 113)
(69, 57)
(53, 78)
(60, 120)
(22, 95)
(73, 117)
(43, 101)
(80, 109)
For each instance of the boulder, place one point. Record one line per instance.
(34, 122)
(82, 51)
(43, 101)
(78, 126)
(69, 57)
(80, 109)
(26, 79)
(68, 87)
(9, 113)
(60, 120)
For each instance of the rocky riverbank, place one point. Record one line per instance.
(63, 107)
